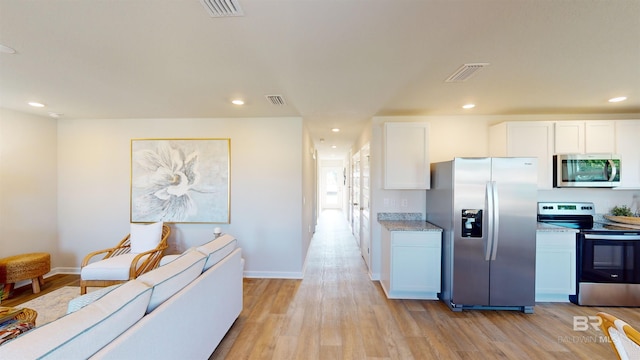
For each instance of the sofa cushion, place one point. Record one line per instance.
(145, 237)
(217, 249)
(172, 277)
(168, 258)
(80, 334)
(81, 301)
(115, 268)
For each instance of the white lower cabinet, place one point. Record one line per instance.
(411, 264)
(555, 266)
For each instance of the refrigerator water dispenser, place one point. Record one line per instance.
(471, 223)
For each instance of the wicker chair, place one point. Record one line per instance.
(137, 264)
(624, 339)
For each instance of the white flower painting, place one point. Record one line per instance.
(180, 180)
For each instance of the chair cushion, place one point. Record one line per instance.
(172, 277)
(115, 268)
(217, 249)
(81, 334)
(145, 237)
(623, 343)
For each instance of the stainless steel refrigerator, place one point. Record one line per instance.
(487, 209)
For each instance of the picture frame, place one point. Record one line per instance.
(180, 180)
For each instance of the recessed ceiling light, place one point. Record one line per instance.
(35, 104)
(7, 50)
(237, 102)
(618, 99)
(335, 130)
(468, 106)
(55, 115)
(333, 146)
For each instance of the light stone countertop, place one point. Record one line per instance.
(412, 222)
(408, 225)
(421, 225)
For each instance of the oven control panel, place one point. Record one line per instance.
(566, 208)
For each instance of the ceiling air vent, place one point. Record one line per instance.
(465, 72)
(222, 8)
(276, 100)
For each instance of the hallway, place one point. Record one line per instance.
(337, 312)
(330, 314)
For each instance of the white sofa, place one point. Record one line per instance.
(181, 310)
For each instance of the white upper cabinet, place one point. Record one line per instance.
(526, 139)
(569, 137)
(627, 139)
(599, 137)
(584, 137)
(406, 155)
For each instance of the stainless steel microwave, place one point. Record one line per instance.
(586, 170)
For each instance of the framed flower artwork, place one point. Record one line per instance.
(180, 180)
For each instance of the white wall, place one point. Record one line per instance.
(28, 180)
(266, 187)
(64, 186)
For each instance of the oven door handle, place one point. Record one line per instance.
(611, 237)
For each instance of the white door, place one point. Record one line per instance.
(355, 196)
(332, 184)
(365, 205)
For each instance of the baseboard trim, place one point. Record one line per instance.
(64, 270)
(54, 271)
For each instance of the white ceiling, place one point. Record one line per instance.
(337, 63)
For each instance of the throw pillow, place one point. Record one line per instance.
(145, 237)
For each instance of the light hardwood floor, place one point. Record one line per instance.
(337, 312)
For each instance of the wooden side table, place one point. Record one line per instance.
(24, 267)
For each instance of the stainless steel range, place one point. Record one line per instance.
(608, 255)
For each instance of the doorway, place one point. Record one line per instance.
(331, 187)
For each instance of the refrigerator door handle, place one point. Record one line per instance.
(489, 202)
(496, 220)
